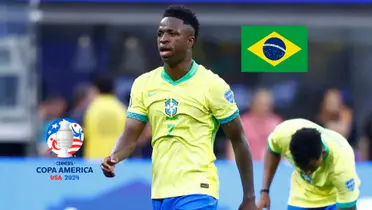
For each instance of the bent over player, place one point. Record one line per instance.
(324, 176)
(184, 104)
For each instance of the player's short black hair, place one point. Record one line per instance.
(104, 83)
(306, 145)
(183, 13)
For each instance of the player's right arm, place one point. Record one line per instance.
(271, 162)
(134, 126)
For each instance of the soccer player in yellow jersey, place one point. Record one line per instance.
(324, 178)
(184, 103)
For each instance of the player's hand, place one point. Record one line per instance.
(264, 202)
(248, 204)
(108, 166)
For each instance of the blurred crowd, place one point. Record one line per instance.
(264, 101)
(101, 113)
(73, 58)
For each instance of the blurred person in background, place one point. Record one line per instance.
(258, 123)
(335, 115)
(104, 120)
(83, 96)
(365, 143)
(51, 109)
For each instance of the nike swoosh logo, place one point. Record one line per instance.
(151, 94)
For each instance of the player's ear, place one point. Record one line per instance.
(191, 41)
(324, 152)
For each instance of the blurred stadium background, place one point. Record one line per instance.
(50, 50)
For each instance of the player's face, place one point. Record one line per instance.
(174, 40)
(313, 165)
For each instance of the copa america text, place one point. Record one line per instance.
(64, 170)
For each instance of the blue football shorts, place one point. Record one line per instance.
(188, 202)
(332, 207)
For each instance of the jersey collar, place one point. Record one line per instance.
(189, 75)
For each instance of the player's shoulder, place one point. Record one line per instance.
(209, 77)
(339, 148)
(342, 160)
(148, 76)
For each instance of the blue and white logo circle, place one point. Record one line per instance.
(274, 49)
(64, 137)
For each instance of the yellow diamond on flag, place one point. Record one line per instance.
(274, 49)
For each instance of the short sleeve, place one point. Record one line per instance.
(137, 109)
(347, 184)
(273, 143)
(221, 101)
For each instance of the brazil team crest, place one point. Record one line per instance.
(64, 137)
(171, 107)
(307, 178)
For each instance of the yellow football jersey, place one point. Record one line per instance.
(184, 116)
(336, 181)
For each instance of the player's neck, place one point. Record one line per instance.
(178, 71)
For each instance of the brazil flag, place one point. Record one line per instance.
(274, 48)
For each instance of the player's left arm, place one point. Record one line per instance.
(346, 182)
(234, 131)
(222, 104)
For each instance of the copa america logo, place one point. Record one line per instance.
(64, 137)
